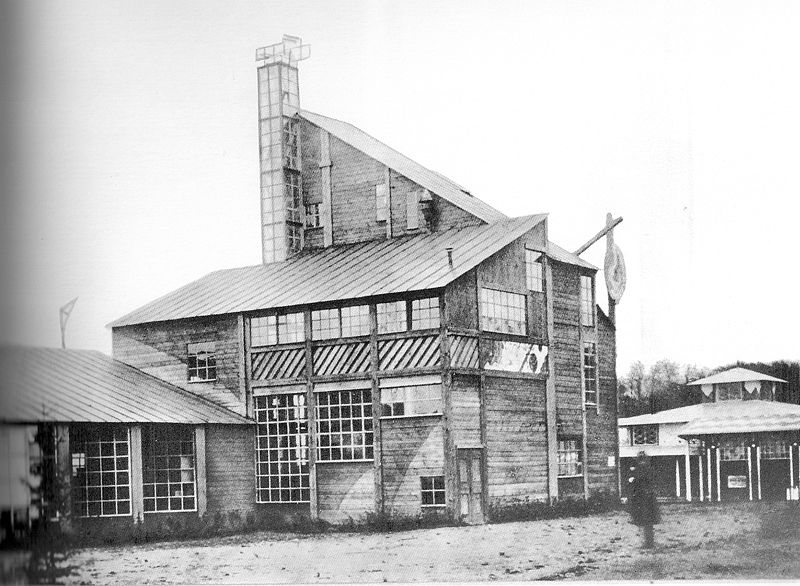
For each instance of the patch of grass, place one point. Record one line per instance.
(529, 510)
(781, 522)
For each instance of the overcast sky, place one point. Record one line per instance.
(133, 162)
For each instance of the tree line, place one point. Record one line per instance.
(665, 384)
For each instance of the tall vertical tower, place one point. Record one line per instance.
(279, 143)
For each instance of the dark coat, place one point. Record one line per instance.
(642, 503)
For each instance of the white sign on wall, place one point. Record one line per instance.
(515, 357)
(737, 481)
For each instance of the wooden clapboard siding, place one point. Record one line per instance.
(411, 447)
(565, 349)
(461, 302)
(516, 440)
(160, 349)
(230, 469)
(505, 269)
(465, 410)
(345, 490)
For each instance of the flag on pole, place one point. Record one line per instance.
(63, 314)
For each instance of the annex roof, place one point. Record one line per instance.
(555, 252)
(744, 417)
(677, 415)
(351, 271)
(430, 180)
(49, 384)
(736, 375)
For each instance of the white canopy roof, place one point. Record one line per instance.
(736, 375)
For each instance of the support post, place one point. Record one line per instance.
(311, 417)
(719, 484)
(677, 477)
(550, 391)
(791, 467)
(708, 460)
(377, 469)
(137, 492)
(200, 469)
(63, 467)
(750, 471)
(700, 474)
(758, 469)
(688, 475)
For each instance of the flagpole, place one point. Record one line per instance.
(63, 315)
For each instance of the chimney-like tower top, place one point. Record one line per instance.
(290, 51)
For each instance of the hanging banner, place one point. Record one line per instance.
(515, 357)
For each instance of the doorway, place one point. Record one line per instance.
(470, 485)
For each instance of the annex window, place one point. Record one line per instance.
(382, 202)
(101, 473)
(313, 217)
(202, 362)
(732, 450)
(285, 328)
(392, 317)
(282, 468)
(340, 322)
(534, 271)
(775, 450)
(589, 373)
(569, 457)
(425, 313)
(291, 144)
(409, 400)
(344, 425)
(432, 491)
(292, 194)
(587, 301)
(502, 311)
(729, 392)
(644, 435)
(168, 471)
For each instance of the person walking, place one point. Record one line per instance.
(643, 504)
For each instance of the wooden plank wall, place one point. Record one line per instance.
(465, 410)
(160, 349)
(602, 437)
(345, 490)
(565, 349)
(230, 469)
(411, 447)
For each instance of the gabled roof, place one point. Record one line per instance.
(430, 180)
(744, 417)
(555, 252)
(378, 267)
(736, 375)
(49, 384)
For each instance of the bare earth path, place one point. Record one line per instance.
(694, 542)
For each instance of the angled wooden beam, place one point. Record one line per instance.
(608, 227)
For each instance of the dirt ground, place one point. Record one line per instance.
(694, 541)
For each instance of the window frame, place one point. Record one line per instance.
(313, 215)
(775, 450)
(590, 367)
(732, 451)
(361, 316)
(82, 442)
(341, 426)
(272, 326)
(437, 493)
(587, 303)
(150, 456)
(208, 350)
(534, 270)
(411, 309)
(406, 391)
(645, 431)
(485, 302)
(568, 467)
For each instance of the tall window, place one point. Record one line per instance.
(590, 373)
(733, 450)
(644, 435)
(340, 322)
(587, 301)
(293, 200)
(282, 472)
(101, 472)
(291, 144)
(411, 400)
(202, 362)
(502, 311)
(533, 270)
(432, 489)
(569, 457)
(344, 425)
(168, 471)
(284, 328)
(313, 217)
(392, 317)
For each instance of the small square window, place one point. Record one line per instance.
(644, 435)
(392, 317)
(425, 313)
(202, 362)
(433, 492)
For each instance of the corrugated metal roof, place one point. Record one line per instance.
(555, 252)
(744, 417)
(430, 180)
(736, 375)
(49, 384)
(397, 265)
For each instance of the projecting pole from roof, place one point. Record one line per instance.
(608, 227)
(63, 315)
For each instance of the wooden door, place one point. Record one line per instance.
(470, 485)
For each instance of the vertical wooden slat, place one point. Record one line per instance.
(688, 474)
(137, 491)
(376, 409)
(311, 415)
(550, 389)
(451, 490)
(243, 343)
(200, 468)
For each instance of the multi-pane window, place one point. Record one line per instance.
(775, 450)
(644, 435)
(202, 362)
(569, 457)
(590, 373)
(313, 217)
(282, 473)
(344, 322)
(732, 450)
(168, 471)
(587, 301)
(292, 194)
(432, 488)
(534, 270)
(392, 317)
(285, 328)
(729, 392)
(425, 313)
(291, 144)
(344, 425)
(502, 311)
(411, 400)
(101, 473)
